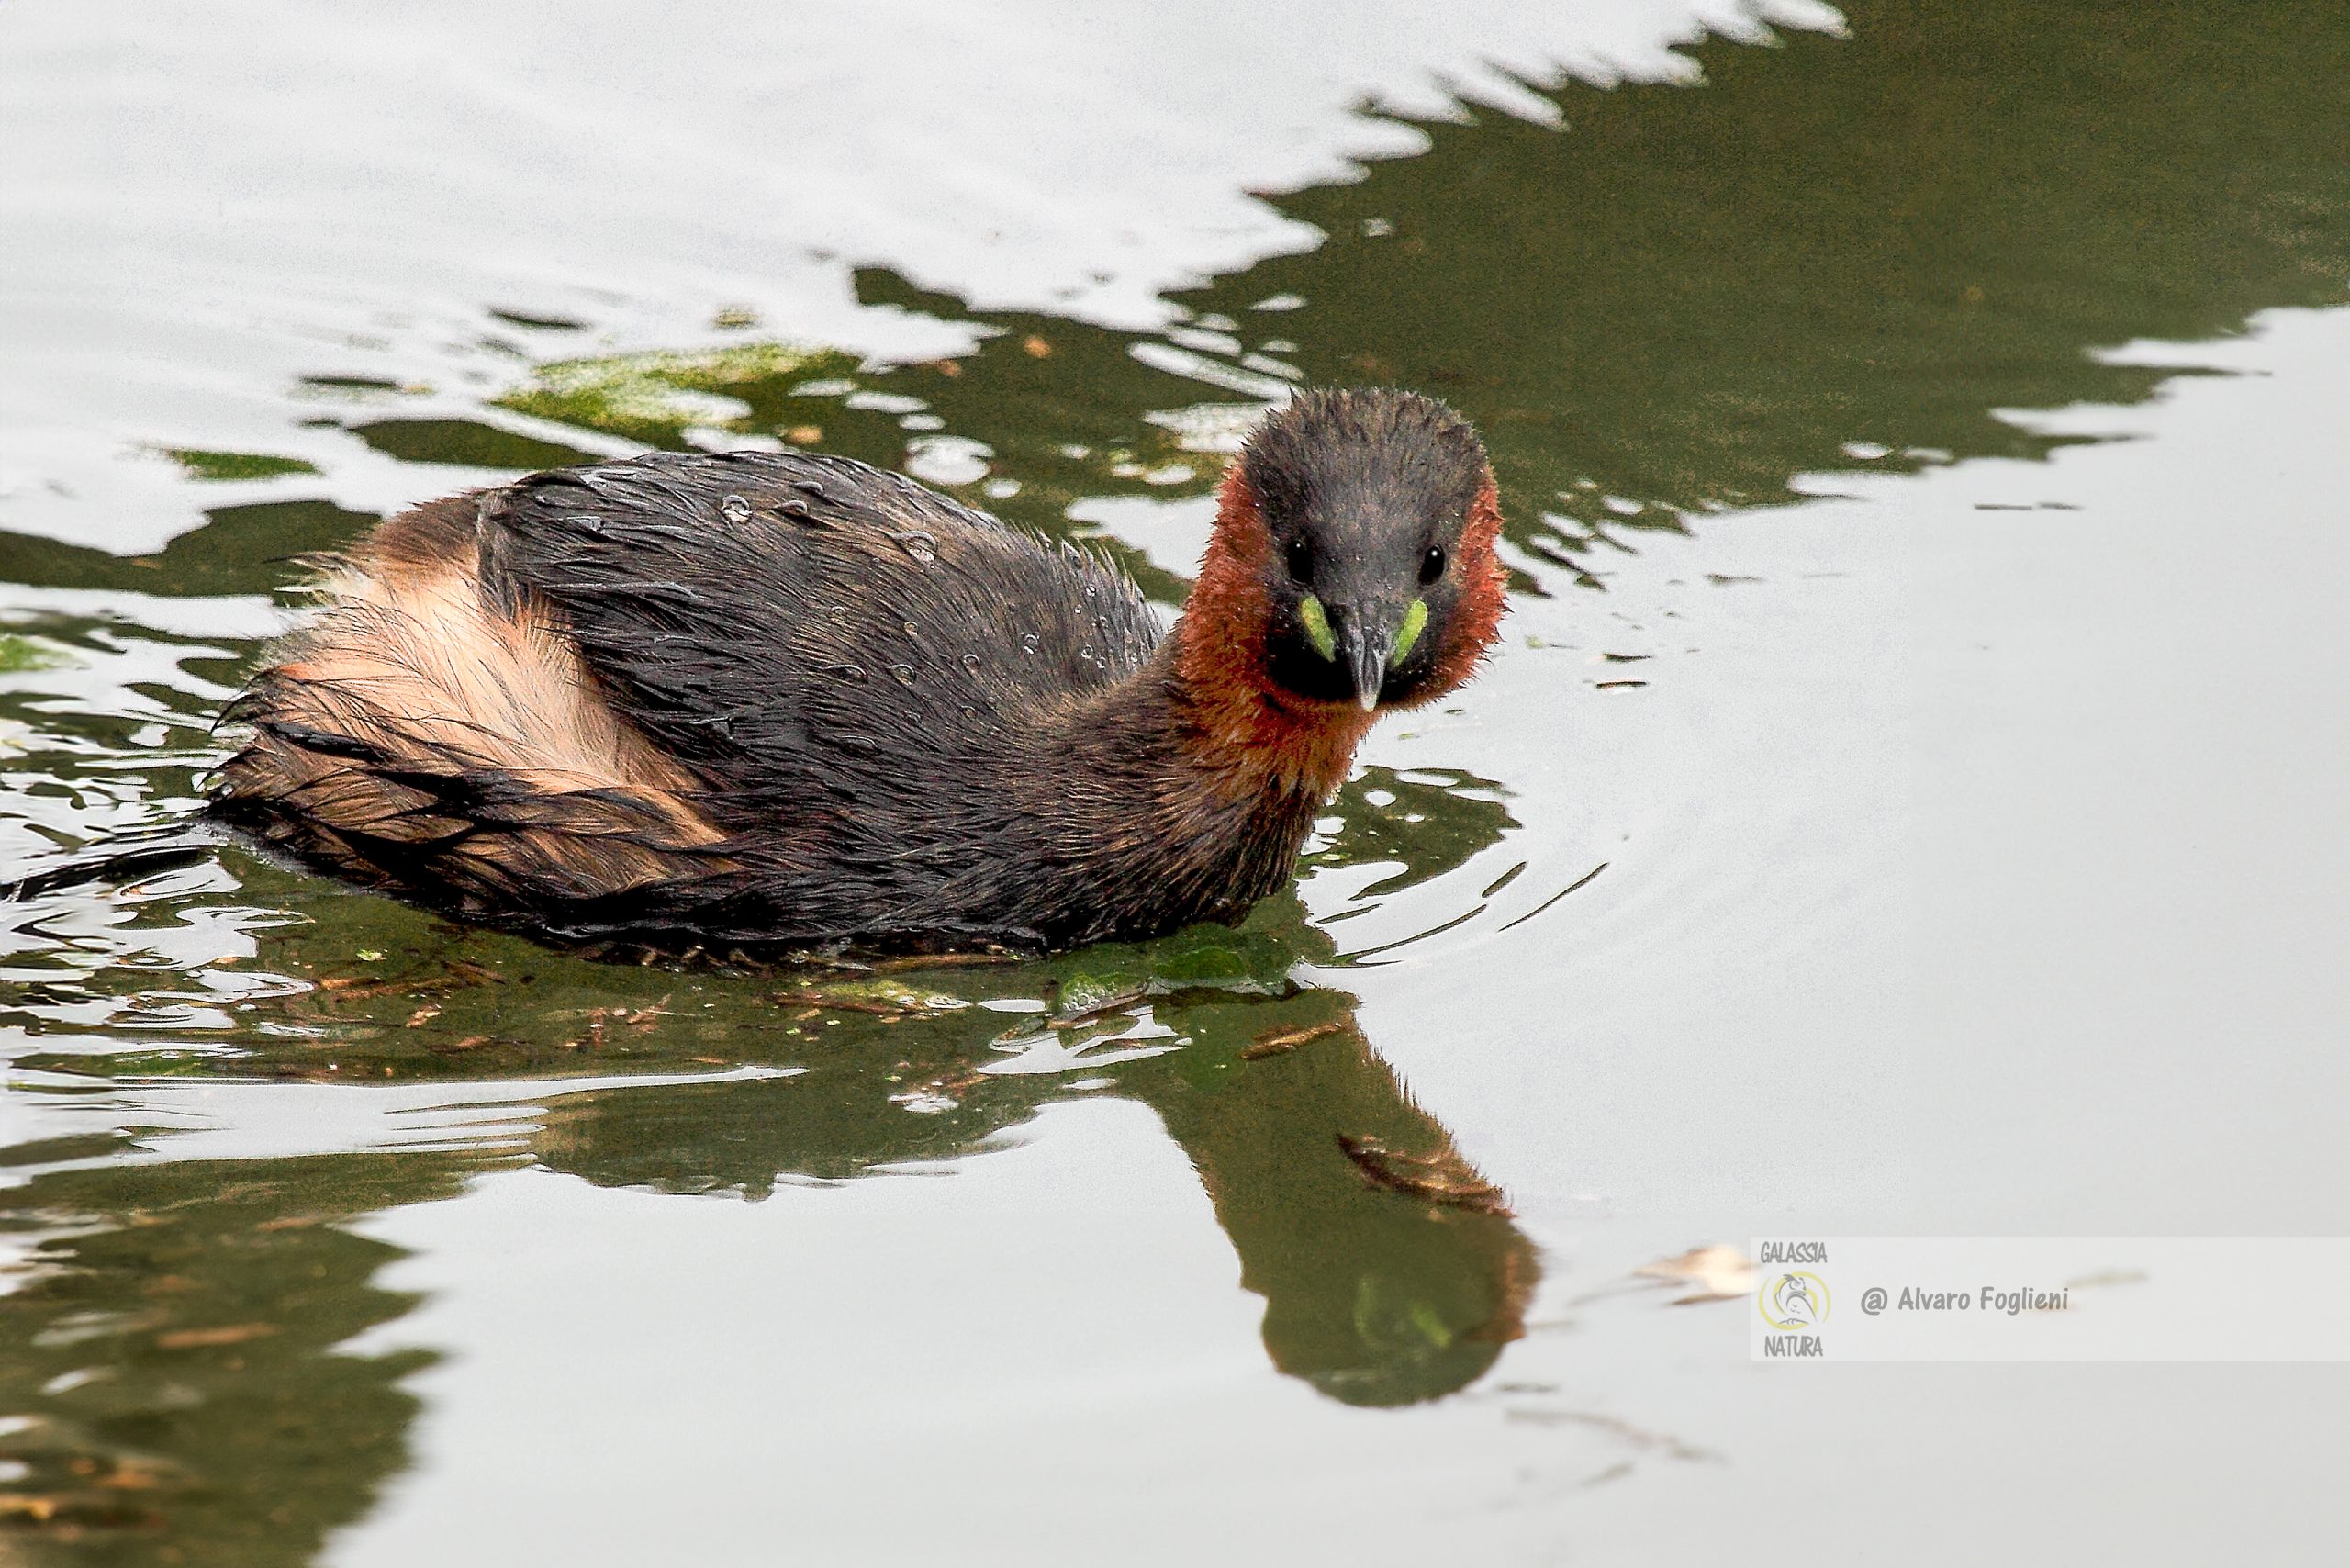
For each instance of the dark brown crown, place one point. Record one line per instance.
(1357, 455)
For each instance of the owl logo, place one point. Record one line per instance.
(1793, 1301)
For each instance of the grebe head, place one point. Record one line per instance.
(1376, 518)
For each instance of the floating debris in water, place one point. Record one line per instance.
(1717, 1273)
(206, 1339)
(954, 961)
(1087, 996)
(1280, 1042)
(1443, 1177)
(881, 999)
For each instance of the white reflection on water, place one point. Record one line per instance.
(257, 189)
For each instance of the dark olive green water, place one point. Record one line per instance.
(1835, 253)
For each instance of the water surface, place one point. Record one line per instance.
(1905, 800)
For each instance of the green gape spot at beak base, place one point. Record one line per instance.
(1317, 627)
(1416, 620)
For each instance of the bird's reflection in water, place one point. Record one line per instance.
(1390, 1269)
(171, 1387)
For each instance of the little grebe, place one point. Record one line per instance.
(785, 699)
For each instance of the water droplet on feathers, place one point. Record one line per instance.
(846, 671)
(839, 613)
(913, 630)
(971, 663)
(920, 545)
(734, 509)
(905, 674)
(1030, 643)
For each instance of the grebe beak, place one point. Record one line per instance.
(1364, 645)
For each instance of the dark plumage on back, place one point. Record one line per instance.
(808, 629)
(785, 699)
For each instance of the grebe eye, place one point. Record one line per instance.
(1301, 558)
(1432, 563)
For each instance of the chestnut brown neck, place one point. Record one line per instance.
(1477, 618)
(1254, 734)
(1257, 734)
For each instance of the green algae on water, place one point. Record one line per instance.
(229, 465)
(655, 396)
(19, 653)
